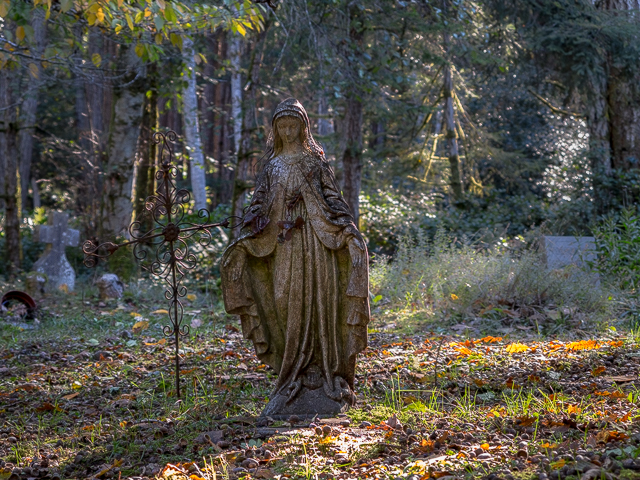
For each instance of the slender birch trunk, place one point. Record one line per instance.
(235, 57)
(192, 127)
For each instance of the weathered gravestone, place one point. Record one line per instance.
(297, 275)
(54, 263)
(560, 252)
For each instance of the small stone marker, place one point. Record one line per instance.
(54, 263)
(110, 286)
(562, 251)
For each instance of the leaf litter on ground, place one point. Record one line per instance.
(96, 405)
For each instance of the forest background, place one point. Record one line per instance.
(488, 119)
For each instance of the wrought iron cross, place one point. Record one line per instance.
(170, 237)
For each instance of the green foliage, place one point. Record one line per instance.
(459, 279)
(618, 247)
(123, 263)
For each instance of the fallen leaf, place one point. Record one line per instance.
(115, 464)
(48, 407)
(525, 421)
(464, 351)
(426, 446)
(558, 465)
(573, 409)
(71, 395)
(140, 326)
(264, 473)
(160, 311)
(517, 348)
(490, 339)
(191, 297)
(598, 371)
(621, 378)
(607, 436)
(583, 345)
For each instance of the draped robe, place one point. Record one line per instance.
(290, 277)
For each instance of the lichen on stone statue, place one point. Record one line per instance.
(298, 274)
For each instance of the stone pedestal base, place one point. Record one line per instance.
(306, 405)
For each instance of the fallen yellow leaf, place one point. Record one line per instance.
(583, 345)
(191, 297)
(517, 348)
(140, 326)
(162, 310)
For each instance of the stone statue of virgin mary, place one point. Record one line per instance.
(298, 274)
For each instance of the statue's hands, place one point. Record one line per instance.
(357, 251)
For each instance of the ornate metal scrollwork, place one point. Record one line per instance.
(167, 244)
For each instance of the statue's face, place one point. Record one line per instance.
(289, 129)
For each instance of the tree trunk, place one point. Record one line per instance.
(238, 197)
(9, 152)
(325, 125)
(95, 92)
(116, 205)
(146, 158)
(352, 157)
(624, 105)
(83, 124)
(242, 183)
(192, 127)
(450, 134)
(613, 120)
(29, 107)
(235, 57)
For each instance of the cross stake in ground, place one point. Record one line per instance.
(168, 241)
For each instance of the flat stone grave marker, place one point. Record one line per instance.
(562, 251)
(53, 263)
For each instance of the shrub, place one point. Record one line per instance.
(618, 248)
(448, 277)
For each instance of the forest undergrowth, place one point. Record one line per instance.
(480, 365)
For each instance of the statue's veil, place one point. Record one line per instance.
(293, 108)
